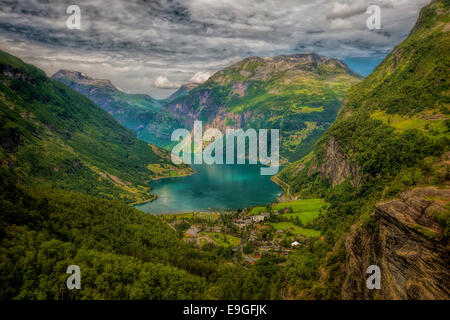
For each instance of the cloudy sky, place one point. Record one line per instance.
(153, 46)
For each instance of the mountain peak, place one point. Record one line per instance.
(264, 68)
(71, 74)
(299, 57)
(81, 77)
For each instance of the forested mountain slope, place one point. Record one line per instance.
(391, 135)
(54, 136)
(298, 94)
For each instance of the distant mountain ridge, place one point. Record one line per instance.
(298, 94)
(181, 91)
(138, 112)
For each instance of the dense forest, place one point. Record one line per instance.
(123, 253)
(54, 136)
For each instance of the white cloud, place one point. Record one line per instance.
(201, 76)
(340, 24)
(163, 82)
(345, 10)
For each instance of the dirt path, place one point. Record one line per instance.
(286, 188)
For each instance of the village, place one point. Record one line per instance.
(247, 235)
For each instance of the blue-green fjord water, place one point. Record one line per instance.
(212, 187)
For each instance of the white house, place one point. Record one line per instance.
(260, 217)
(295, 244)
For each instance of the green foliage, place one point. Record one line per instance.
(59, 150)
(119, 249)
(414, 76)
(138, 112)
(443, 218)
(123, 253)
(431, 235)
(294, 229)
(225, 240)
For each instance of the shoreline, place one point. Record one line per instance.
(178, 176)
(143, 201)
(155, 197)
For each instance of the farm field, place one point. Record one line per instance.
(192, 215)
(289, 226)
(305, 209)
(225, 240)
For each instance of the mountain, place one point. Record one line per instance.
(62, 160)
(138, 112)
(54, 136)
(183, 90)
(116, 102)
(298, 94)
(384, 167)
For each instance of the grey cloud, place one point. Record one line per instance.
(347, 10)
(352, 8)
(134, 42)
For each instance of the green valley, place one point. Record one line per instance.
(53, 136)
(68, 171)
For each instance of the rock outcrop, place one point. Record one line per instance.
(335, 167)
(408, 242)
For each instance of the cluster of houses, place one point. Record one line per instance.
(192, 232)
(248, 220)
(262, 247)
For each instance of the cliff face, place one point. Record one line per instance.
(410, 246)
(335, 167)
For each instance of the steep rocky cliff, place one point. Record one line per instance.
(410, 245)
(335, 167)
